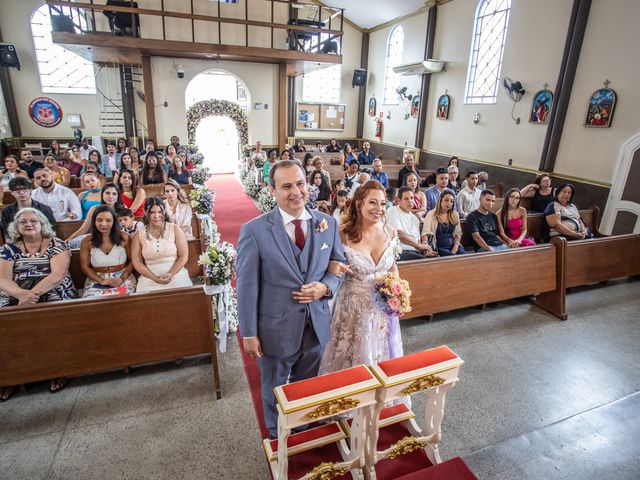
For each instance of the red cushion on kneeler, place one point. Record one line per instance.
(303, 463)
(416, 361)
(308, 435)
(454, 469)
(325, 383)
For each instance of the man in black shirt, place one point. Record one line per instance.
(482, 225)
(409, 167)
(27, 163)
(21, 190)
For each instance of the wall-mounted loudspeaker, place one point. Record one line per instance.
(359, 78)
(9, 56)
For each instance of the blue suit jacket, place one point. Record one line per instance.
(104, 165)
(268, 274)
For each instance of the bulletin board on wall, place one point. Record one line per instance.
(320, 116)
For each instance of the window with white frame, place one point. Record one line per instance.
(322, 85)
(61, 71)
(395, 44)
(487, 49)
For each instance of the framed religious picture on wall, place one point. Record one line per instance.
(443, 107)
(541, 106)
(372, 107)
(415, 106)
(601, 106)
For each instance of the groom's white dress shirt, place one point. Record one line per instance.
(290, 227)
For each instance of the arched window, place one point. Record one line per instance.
(395, 44)
(61, 71)
(487, 48)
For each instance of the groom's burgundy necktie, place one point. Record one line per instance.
(299, 233)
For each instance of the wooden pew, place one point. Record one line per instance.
(78, 337)
(450, 283)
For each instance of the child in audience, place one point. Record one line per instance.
(127, 222)
(336, 185)
(338, 203)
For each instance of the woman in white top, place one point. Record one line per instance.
(178, 207)
(105, 256)
(11, 170)
(160, 251)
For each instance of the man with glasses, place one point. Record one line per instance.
(61, 200)
(21, 190)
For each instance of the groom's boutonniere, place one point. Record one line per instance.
(321, 226)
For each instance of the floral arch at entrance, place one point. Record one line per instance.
(208, 108)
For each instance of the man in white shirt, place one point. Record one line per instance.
(85, 149)
(469, 196)
(407, 226)
(60, 199)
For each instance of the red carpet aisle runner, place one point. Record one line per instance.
(232, 209)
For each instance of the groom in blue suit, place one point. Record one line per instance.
(283, 285)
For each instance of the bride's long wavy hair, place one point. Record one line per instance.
(351, 220)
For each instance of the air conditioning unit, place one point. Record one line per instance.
(420, 68)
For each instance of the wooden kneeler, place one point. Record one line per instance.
(434, 372)
(316, 399)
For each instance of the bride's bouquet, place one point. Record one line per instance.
(392, 294)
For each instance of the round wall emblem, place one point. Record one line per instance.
(45, 112)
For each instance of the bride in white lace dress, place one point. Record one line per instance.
(361, 332)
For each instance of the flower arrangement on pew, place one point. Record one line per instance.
(200, 175)
(250, 186)
(202, 200)
(392, 294)
(196, 158)
(265, 200)
(219, 263)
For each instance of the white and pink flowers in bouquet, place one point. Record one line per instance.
(392, 294)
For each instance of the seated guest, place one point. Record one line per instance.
(441, 227)
(540, 192)
(266, 168)
(366, 156)
(132, 195)
(126, 163)
(109, 195)
(563, 217)
(35, 269)
(468, 199)
(110, 161)
(453, 183)
(483, 178)
(92, 196)
(178, 171)
(152, 172)
(339, 201)
(361, 179)
(285, 155)
(299, 147)
(59, 174)
(307, 163)
(378, 175)
(86, 148)
(333, 146)
(178, 207)
(11, 170)
(409, 167)
(160, 251)
(512, 220)
(123, 146)
(20, 188)
(350, 175)
(338, 184)
(54, 148)
(323, 200)
(135, 159)
(105, 257)
(149, 146)
(128, 223)
(318, 165)
(392, 197)
(419, 207)
(407, 226)
(482, 225)
(433, 193)
(319, 148)
(61, 200)
(27, 163)
(169, 158)
(349, 155)
(454, 161)
(92, 167)
(76, 162)
(174, 141)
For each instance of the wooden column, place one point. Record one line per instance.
(9, 99)
(562, 94)
(426, 79)
(149, 101)
(291, 106)
(282, 106)
(362, 97)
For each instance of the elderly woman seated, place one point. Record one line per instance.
(563, 217)
(160, 250)
(105, 256)
(34, 268)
